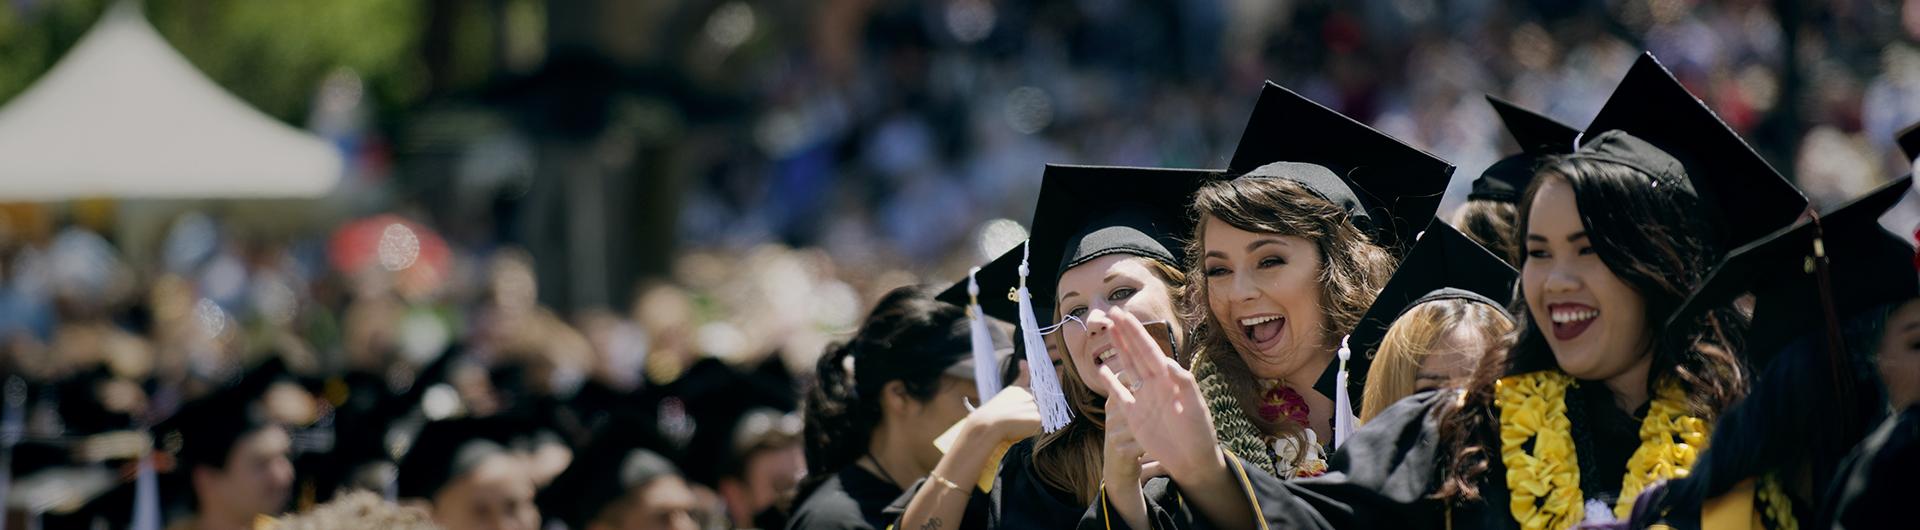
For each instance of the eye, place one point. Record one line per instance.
(1079, 312)
(1122, 293)
(1056, 363)
(1272, 261)
(1587, 251)
(1534, 253)
(1215, 272)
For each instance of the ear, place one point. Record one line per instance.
(894, 399)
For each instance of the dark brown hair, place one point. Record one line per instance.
(1490, 223)
(1654, 239)
(1352, 270)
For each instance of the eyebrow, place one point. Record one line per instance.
(1542, 239)
(1250, 247)
(1106, 280)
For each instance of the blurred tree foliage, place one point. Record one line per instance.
(273, 54)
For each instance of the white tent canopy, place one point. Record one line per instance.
(124, 115)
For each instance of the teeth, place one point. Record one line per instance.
(1255, 321)
(1562, 317)
(1105, 356)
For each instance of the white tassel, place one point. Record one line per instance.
(1054, 413)
(146, 497)
(986, 372)
(1342, 404)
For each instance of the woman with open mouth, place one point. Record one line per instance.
(1104, 240)
(1288, 257)
(1598, 395)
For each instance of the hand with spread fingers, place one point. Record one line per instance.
(1182, 441)
(1164, 395)
(1123, 459)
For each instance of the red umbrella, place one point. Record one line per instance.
(416, 255)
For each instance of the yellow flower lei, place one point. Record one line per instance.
(1545, 483)
(1775, 504)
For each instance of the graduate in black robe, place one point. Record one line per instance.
(1651, 165)
(1773, 455)
(1119, 229)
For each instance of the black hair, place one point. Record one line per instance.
(1653, 237)
(907, 338)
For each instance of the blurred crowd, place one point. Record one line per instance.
(884, 143)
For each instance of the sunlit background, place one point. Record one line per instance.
(632, 185)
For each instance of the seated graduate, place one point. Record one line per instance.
(906, 376)
(1490, 212)
(1104, 238)
(1442, 311)
(625, 480)
(467, 473)
(1594, 400)
(1815, 396)
(233, 455)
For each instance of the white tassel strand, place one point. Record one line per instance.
(986, 372)
(1054, 413)
(1343, 404)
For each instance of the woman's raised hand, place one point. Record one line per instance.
(1166, 397)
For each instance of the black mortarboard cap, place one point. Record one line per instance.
(203, 431)
(1443, 265)
(1539, 137)
(1909, 140)
(1726, 174)
(444, 450)
(1867, 267)
(1086, 212)
(998, 279)
(624, 454)
(1398, 187)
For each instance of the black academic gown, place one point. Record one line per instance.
(1875, 486)
(852, 499)
(1384, 477)
(1019, 499)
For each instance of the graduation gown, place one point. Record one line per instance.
(1874, 488)
(1384, 477)
(1018, 500)
(852, 499)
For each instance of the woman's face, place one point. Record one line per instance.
(1451, 358)
(1899, 356)
(931, 418)
(1595, 323)
(1091, 292)
(1264, 290)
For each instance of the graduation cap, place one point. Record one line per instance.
(1867, 267)
(1390, 189)
(1909, 140)
(445, 450)
(967, 293)
(717, 398)
(1443, 265)
(625, 454)
(1085, 213)
(998, 280)
(1539, 137)
(1722, 170)
(205, 430)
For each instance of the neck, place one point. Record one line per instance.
(1308, 373)
(214, 518)
(896, 463)
(1630, 387)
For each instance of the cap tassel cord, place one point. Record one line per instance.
(1343, 405)
(146, 496)
(986, 373)
(1054, 413)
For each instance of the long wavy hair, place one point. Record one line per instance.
(1654, 239)
(1069, 459)
(1352, 270)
